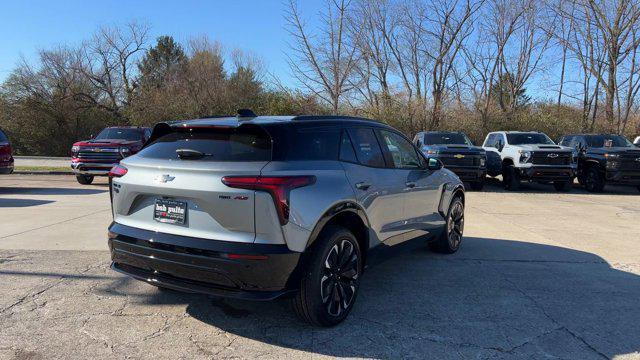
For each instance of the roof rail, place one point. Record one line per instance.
(329, 117)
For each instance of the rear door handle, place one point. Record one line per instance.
(363, 186)
(410, 184)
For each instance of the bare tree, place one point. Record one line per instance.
(323, 64)
(108, 61)
(450, 24)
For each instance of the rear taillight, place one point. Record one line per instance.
(278, 186)
(118, 171)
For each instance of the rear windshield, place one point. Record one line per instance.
(529, 138)
(3, 137)
(446, 139)
(598, 141)
(121, 134)
(217, 144)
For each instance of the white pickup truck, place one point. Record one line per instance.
(529, 156)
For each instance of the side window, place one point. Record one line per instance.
(418, 141)
(491, 141)
(403, 154)
(366, 146)
(346, 149)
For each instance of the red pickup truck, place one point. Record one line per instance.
(97, 156)
(6, 158)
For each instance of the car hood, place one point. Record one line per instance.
(544, 147)
(454, 149)
(108, 142)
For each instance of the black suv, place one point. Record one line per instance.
(457, 153)
(605, 159)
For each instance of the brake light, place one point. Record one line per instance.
(118, 171)
(278, 186)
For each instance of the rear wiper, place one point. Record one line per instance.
(190, 154)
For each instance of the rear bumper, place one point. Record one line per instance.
(548, 173)
(92, 168)
(469, 174)
(204, 266)
(623, 177)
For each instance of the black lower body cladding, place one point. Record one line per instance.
(238, 270)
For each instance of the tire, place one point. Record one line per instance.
(562, 186)
(448, 242)
(326, 278)
(511, 178)
(593, 180)
(477, 185)
(84, 179)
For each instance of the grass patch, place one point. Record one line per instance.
(43, 168)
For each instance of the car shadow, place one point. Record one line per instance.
(49, 191)
(493, 298)
(21, 203)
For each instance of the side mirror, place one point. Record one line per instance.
(500, 145)
(434, 164)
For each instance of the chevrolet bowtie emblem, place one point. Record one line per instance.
(164, 178)
(458, 156)
(552, 155)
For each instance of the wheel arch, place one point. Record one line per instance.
(347, 214)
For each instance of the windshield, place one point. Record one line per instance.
(598, 141)
(529, 138)
(447, 139)
(120, 134)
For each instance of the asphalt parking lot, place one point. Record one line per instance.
(539, 275)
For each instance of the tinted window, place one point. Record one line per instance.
(346, 149)
(599, 141)
(216, 144)
(367, 148)
(120, 133)
(308, 143)
(3, 137)
(529, 138)
(446, 139)
(402, 152)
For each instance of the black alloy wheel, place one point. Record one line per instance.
(593, 180)
(329, 288)
(339, 282)
(451, 237)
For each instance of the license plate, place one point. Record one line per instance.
(170, 211)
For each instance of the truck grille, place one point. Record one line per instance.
(630, 161)
(100, 154)
(551, 158)
(468, 160)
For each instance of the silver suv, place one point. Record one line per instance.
(257, 207)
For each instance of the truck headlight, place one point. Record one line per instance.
(124, 151)
(483, 161)
(432, 152)
(525, 156)
(612, 156)
(75, 150)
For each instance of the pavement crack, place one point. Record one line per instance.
(559, 325)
